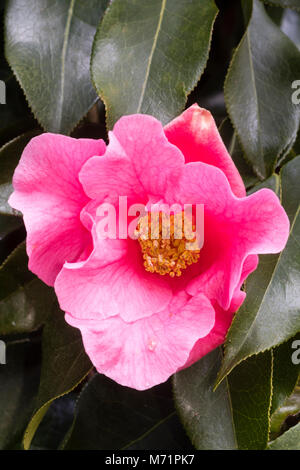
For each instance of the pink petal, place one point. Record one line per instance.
(147, 352)
(195, 133)
(223, 319)
(250, 264)
(111, 176)
(217, 335)
(113, 281)
(139, 161)
(50, 196)
(233, 228)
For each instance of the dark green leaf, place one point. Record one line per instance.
(273, 182)
(296, 146)
(65, 364)
(56, 423)
(9, 158)
(109, 416)
(258, 91)
(295, 151)
(12, 232)
(25, 301)
(269, 315)
(48, 46)
(290, 192)
(290, 440)
(289, 409)
(8, 224)
(169, 434)
(147, 56)
(290, 25)
(250, 386)
(205, 414)
(19, 379)
(285, 373)
(234, 148)
(275, 13)
(284, 3)
(15, 116)
(236, 415)
(245, 170)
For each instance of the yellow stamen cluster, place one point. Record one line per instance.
(167, 245)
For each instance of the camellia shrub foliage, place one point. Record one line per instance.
(130, 344)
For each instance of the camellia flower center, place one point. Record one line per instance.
(168, 242)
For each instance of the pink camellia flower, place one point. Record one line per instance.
(140, 322)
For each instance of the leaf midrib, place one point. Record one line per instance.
(150, 59)
(146, 433)
(63, 60)
(253, 80)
